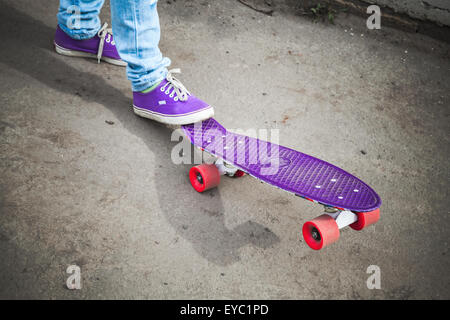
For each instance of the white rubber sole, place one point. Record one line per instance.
(74, 53)
(175, 120)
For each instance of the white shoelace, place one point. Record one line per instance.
(102, 34)
(179, 89)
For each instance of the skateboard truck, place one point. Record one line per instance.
(226, 169)
(324, 230)
(343, 218)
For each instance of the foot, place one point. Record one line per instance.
(100, 47)
(169, 102)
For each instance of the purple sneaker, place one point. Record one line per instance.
(170, 103)
(100, 47)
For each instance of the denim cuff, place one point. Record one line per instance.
(79, 34)
(144, 84)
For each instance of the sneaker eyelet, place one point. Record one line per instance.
(167, 92)
(171, 95)
(175, 99)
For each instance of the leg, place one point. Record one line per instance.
(137, 32)
(157, 94)
(79, 18)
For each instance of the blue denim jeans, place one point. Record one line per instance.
(136, 30)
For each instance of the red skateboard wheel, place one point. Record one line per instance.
(365, 219)
(239, 174)
(320, 232)
(204, 177)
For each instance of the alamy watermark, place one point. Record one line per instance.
(374, 21)
(74, 22)
(240, 147)
(74, 280)
(374, 280)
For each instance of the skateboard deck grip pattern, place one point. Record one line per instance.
(285, 168)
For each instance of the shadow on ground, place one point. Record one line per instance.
(206, 230)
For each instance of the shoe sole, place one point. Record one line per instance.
(175, 120)
(74, 53)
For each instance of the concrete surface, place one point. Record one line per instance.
(432, 10)
(76, 190)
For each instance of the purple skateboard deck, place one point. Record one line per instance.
(285, 168)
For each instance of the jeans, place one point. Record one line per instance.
(136, 31)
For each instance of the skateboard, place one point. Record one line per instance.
(347, 200)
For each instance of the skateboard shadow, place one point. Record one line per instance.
(192, 216)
